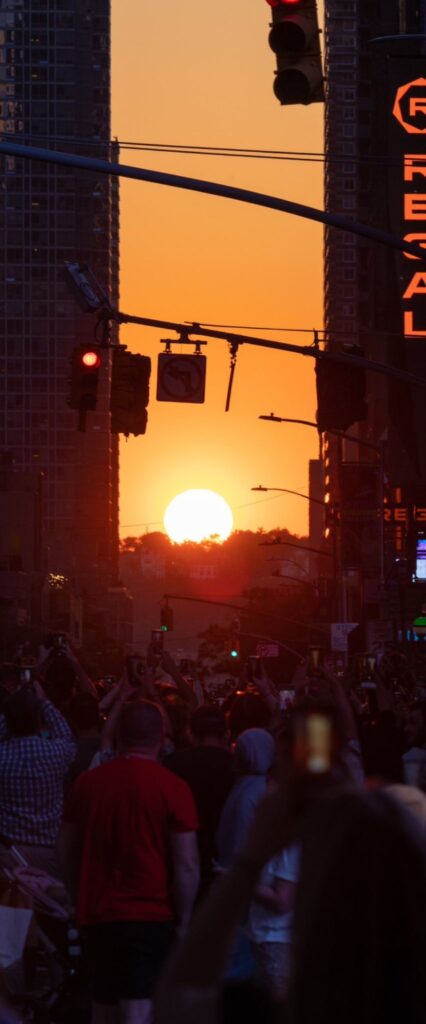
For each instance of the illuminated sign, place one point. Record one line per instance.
(395, 514)
(410, 106)
(409, 110)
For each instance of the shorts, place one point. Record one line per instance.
(125, 958)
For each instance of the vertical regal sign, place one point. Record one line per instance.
(409, 110)
(407, 216)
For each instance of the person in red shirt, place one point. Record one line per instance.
(128, 846)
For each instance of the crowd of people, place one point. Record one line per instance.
(257, 857)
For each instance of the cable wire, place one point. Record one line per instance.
(303, 156)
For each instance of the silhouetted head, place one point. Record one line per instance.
(208, 723)
(248, 711)
(140, 727)
(254, 752)
(22, 712)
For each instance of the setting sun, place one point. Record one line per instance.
(198, 515)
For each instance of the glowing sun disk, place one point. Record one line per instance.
(198, 515)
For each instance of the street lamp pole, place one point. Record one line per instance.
(286, 490)
(379, 450)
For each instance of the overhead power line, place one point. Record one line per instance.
(253, 152)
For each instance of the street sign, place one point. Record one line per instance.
(181, 378)
(339, 635)
(267, 650)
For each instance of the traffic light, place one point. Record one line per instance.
(166, 618)
(234, 646)
(85, 365)
(294, 38)
(340, 391)
(129, 392)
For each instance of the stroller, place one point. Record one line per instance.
(41, 967)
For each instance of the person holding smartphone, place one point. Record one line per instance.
(36, 750)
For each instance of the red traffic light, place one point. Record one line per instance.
(284, 3)
(91, 359)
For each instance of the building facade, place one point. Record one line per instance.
(55, 93)
(373, 48)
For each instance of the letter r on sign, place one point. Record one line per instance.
(417, 105)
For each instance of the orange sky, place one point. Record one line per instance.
(201, 74)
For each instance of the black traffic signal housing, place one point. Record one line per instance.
(295, 40)
(166, 618)
(85, 365)
(129, 392)
(340, 391)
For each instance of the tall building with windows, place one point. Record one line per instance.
(55, 93)
(374, 125)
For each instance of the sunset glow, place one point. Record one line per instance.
(186, 256)
(198, 515)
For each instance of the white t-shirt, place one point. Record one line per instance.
(262, 924)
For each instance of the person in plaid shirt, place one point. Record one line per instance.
(36, 750)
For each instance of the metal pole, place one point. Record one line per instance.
(212, 188)
(381, 496)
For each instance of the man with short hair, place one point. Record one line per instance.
(128, 844)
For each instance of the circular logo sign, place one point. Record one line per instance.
(410, 106)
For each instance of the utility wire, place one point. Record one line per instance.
(303, 156)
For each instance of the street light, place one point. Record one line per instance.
(379, 449)
(286, 490)
(337, 433)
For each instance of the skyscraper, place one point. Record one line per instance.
(55, 93)
(373, 56)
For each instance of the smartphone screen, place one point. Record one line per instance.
(421, 557)
(287, 699)
(313, 743)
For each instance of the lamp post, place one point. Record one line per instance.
(379, 450)
(286, 490)
(315, 501)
